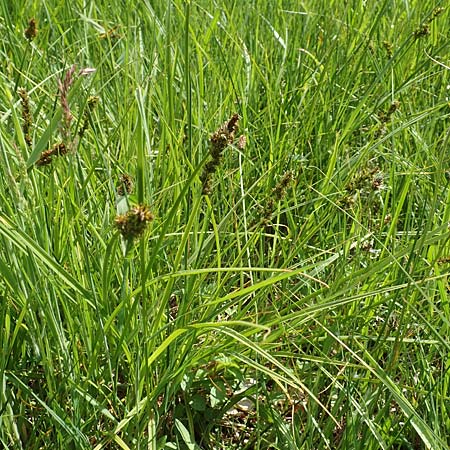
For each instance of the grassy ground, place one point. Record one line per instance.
(275, 282)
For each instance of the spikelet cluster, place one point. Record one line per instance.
(91, 104)
(385, 117)
(424, 29)
(64, 87)
(125, 185)
(46, 157)
(31, 31)
(278, 193)
(27, 119)
(219, 141)
(133, 224)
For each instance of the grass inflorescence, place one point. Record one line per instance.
(27, 118)
(219, 141)
(132, 224)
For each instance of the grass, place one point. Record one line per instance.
(281, 286)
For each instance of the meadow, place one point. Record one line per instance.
(224, 224)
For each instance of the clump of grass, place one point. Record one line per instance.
(210, 333)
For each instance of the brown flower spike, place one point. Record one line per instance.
(132, 224)
(64, 87)
(26, 115)
(125, 184)
(219, 140)
(278, 193)
(424, 29)
(91, 104)
(46, 157)
(31, 31)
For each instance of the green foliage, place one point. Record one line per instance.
(301, 303)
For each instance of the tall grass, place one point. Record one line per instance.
(301, 301)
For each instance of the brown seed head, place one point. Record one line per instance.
(132, 224)
(31, 31)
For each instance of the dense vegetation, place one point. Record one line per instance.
(224, 224)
